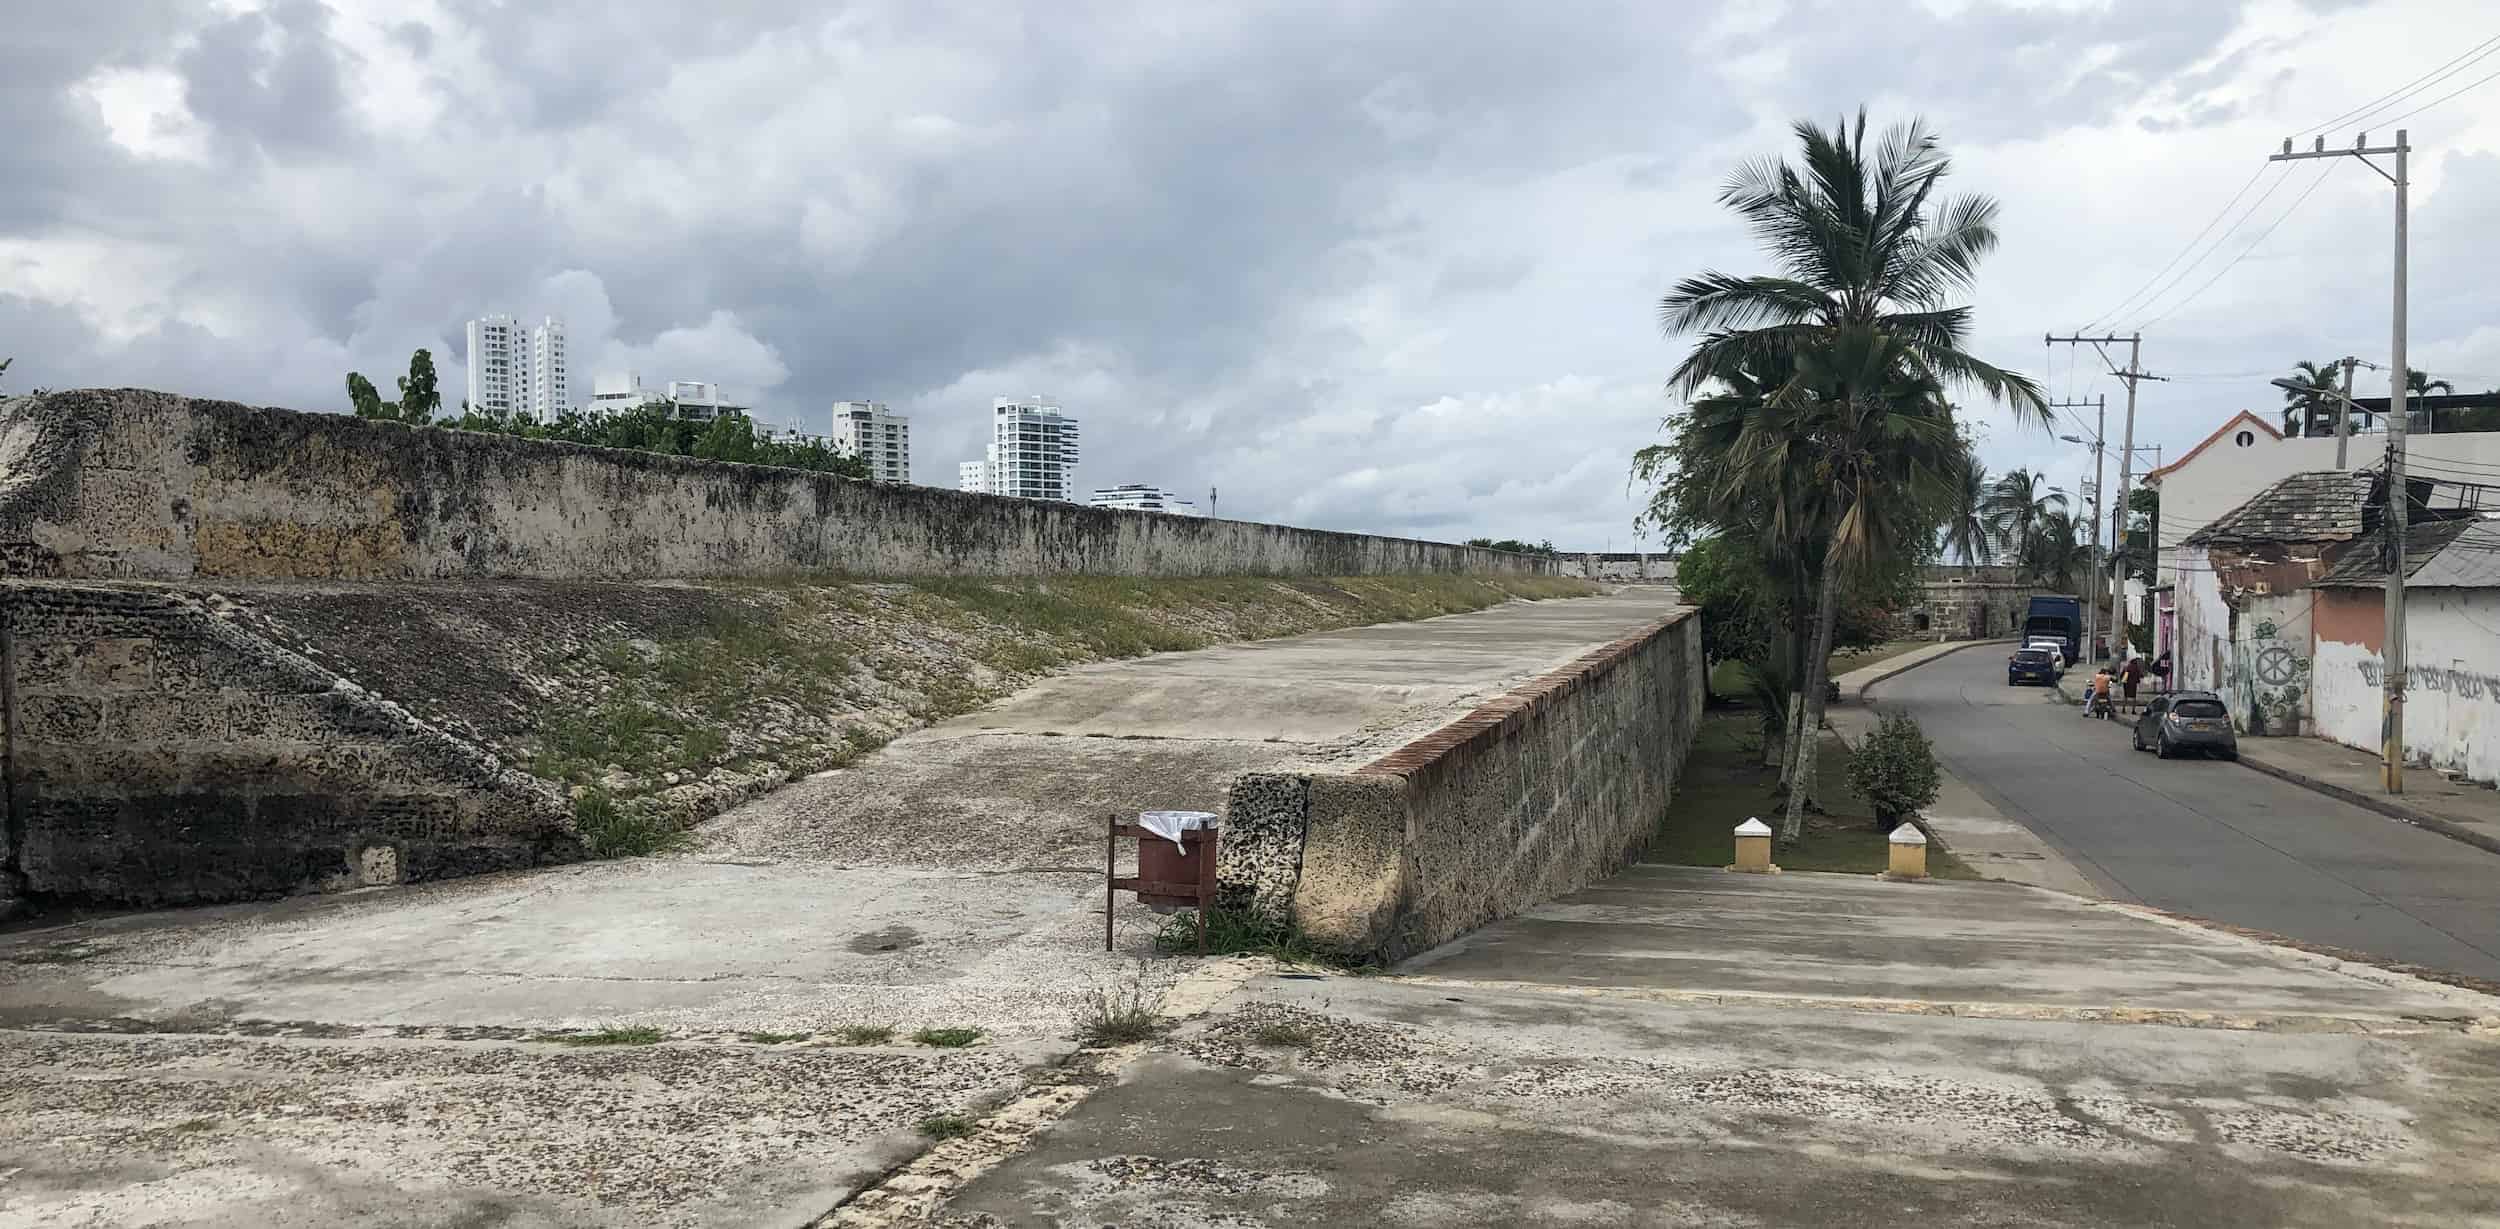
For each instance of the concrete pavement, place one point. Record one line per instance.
(1690, 1047)
(2203, 837)
(421, 1055)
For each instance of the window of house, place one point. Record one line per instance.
(2244, 438)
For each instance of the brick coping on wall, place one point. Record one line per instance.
(1515, 708)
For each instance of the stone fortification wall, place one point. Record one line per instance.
(136, 484)
(157, 755)
(1554, 785)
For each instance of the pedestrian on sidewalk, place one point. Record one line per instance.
(2130, 675)
(2161, 669)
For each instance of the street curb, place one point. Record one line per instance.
(2393, 810)
(1905, 669)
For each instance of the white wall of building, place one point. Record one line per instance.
(2203, 627)
(870, 431)
(973, 476)
(2452, 697)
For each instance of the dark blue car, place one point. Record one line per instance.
(2030, 666)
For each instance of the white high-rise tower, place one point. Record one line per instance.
(550, 386)
(497, 363)
(1032, 452)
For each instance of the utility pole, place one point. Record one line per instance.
(2100, 432)
(2343, 414)
(2134, 374)
(1210, 503)
(2392, 694)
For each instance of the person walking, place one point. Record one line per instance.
(2130, 675)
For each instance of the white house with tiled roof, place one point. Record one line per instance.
(2247, 454)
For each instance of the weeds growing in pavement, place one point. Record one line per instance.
(608, 1037)
(948, 1038)
(946, 1126)
(1120, 1014)
(864, 1034)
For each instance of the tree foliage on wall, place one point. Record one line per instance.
(651, 427)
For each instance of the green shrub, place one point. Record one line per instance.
(1895, 770)
(611, 830)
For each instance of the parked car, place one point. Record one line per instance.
(2031, 666)
(2055, 646)
(2179, 721)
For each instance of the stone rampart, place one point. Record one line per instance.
(134, 484)
(157, 755)
(1550, 787)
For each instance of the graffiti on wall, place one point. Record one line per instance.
(2463, 684)
(2267, 678)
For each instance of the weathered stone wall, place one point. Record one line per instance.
(130, 483)
(157, 755)
(1622, 566)
(1552, 786)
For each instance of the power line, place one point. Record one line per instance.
(2442, 98)
(2125, 303)
(2219, 240)
(2413, 86)
(2253, 245)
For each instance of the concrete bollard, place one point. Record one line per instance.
(1909, 853)
(1753, 848)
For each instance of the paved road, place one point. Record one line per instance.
(2203, 837)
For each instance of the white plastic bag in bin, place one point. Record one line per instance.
(1171, 824)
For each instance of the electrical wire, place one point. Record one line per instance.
(2253, 245)
(2436, 101)
(2124, 304)
(2485, 47)
(2284, 175)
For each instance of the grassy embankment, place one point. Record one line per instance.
(793, 677)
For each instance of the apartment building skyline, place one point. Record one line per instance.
(875, 434)
(1032, 453)
(515, 370)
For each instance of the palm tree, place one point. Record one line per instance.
(2418, 383)
(1860, 312)
(2310, 409)
(1967, 534)
(2016, 505)
(2055, 551)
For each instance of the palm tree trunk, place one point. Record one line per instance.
(1797, 651)
(1818, 667)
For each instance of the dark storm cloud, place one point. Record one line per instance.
(269, 80)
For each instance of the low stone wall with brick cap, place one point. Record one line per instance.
(1546, 789)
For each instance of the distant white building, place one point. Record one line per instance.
(1139, 497)
(513, 370)
(869, 431)
(498, 363)
(550, 382)
(1032, 452)
(694, 399)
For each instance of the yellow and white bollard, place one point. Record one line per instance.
(1909, 853)
(1753, 848)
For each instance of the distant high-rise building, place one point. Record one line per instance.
(1032, 452)
(869, 431)
(513, 370)
(1139, 497)
(497, 363)
(550, 382)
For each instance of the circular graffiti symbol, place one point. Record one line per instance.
(2276, 665)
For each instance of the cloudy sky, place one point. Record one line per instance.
(1375, 266)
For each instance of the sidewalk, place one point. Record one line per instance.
(1853, 685)
(2468, 812)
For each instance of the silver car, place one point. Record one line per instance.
(2179, 721)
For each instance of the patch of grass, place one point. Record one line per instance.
(1283, 1034)
(1724, 783)
(773, 1039)
(1239, 932)
(947, 1038)
(947, 1126)
(639, 1036)
(1119, 1015)
(193, 1126)
(1842, 663)
(615, 830)
(864, 1034)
